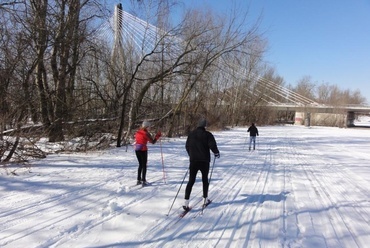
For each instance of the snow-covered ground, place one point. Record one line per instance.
(363, 121)
(302, 187)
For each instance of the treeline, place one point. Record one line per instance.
(326, 93)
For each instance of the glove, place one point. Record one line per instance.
(158, 135)
(217, 155)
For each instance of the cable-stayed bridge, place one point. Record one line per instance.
(125, 31)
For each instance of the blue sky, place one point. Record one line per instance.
(328, 40)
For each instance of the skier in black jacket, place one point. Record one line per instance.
(198, 146)
(253, 132)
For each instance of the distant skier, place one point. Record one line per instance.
(253, 132)
(142, 137)
(198, 146)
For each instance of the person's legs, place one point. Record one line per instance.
(193, 170)
(142, 157)
(140, 168)
(144, 165)
(205, 170)
(254, 142)
(250, 142)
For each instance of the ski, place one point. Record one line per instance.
(177, 220)
(141, 185)
(138, 186)
(206, 204)
(185, 212)
(203, 207)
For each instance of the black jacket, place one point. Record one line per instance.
(253, 131)
(199, 143)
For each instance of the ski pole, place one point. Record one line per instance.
(245, 143)
(178, 192)
(164, 174)
(213, 165)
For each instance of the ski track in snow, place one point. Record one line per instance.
(294, 190)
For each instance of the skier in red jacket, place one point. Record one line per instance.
(142, 137)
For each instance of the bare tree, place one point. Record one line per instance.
(188, 54)
(305, 87)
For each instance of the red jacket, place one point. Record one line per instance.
(142, 137)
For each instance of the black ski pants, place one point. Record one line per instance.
(196, 166)
(142, 157)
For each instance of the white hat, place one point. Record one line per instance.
(146, 124)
